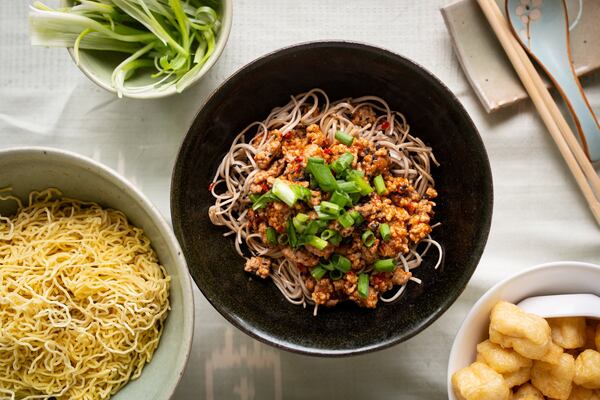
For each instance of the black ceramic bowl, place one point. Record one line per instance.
(342, 69)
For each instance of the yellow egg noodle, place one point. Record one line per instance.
(83, 299)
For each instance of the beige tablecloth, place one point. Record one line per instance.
(539, 215)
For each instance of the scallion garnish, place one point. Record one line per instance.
(363, 285)
(301, 192)
(284, 192)
(344, 138)
(357, 217)
(380, 187)
(299, 222)
(328, 266)
(330, 208)
(263, 200)
(291, 233)
(322, 216)
(342, 163)
(346, 220)
(336, 239)
(341, 263)
(314, 227)
(342, 199)
(368, 238)
(318, 273)
(322, 175)
(363, 185)
(271, 236)
(386, 265)
(328, 234)
(384, 231)
(336, 275)
(348, 187)
(315, 241)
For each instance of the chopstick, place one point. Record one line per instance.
(580, 166)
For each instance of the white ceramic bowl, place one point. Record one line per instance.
(564, 277)
(27, 169)
(99, 65)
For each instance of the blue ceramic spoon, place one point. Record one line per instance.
(542, 27)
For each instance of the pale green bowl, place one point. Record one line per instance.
(99, 65)
(35, 168)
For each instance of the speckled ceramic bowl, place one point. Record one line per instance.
(342, 69)
(37, 168)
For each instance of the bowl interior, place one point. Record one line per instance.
(99, 65)
(35, 169)
(548, 279)
(341, 69)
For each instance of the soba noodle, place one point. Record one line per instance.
(411, 159)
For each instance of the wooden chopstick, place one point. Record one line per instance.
(576, 160)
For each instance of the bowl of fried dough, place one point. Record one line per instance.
(502, 352)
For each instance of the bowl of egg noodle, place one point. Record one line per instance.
(95, 297)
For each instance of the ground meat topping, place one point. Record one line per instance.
(261, 266)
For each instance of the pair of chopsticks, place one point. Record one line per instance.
(578, 163)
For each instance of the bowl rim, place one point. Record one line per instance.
(165, 230)
(263, 336)
(223, 37)
(467, 321)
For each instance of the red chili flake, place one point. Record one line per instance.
(298, 168)
(299, 159)
(385, 125)
(328, 151)
(264, 187)
(378, 278)
(211, 186)
(288, 135)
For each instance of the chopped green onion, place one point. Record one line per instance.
(301, 192)
(368, 238)
(328, 266)
(348, 187)
(363, 285)
(323, 176)
(330, 208)
(271, 236)
(299, 222)
(263, 200)
(282, 239)
(355, 197)
(344, 138)
(335, 239)
(315, 160)
(314, 227)
(357, 217)
(342, 199)
(346, 220)
(315, 242)
(318, 273)
(323, 216)
(254, 197)
(386, 265)
(342, 163)
(328, 234)
(291, 233)
(284, 192)
(336, 274)
(379, 185)
(384, 231)
(363, 185)
(341, 263)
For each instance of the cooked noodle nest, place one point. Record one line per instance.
(83, 299)
(411, 159)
